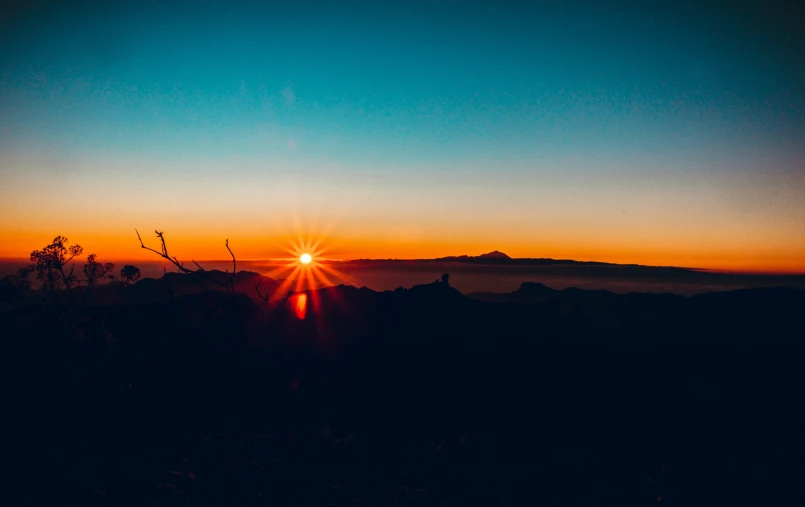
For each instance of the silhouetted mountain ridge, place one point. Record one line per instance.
(743, 312)
(173, 284)
(621, 382)
(499, 258)
(494, 255)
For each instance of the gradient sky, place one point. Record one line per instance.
(661, 132)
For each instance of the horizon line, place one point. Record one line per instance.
(448, 258)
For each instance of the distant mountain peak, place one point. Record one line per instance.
(491, 257)
(494, 255)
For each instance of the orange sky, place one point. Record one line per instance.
(413, 242)
(186, 248)
(752, 223)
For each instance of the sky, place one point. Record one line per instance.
(664, 132)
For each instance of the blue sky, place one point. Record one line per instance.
(540, 91)
(403, 79)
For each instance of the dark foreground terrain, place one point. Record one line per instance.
(412, 397)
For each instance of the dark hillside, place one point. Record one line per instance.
(560, 396)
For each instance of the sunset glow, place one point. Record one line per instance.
(296, 275)
(416, 142)
(330, 252)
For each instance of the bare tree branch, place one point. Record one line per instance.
(142, 245)
(180, 265)
(234, 261)
(257, 289)
(234, 267)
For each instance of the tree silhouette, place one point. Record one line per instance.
(95, 271)
(200, 272)
(16, 285)
(22, 278)
(129, 274)
(49, 264)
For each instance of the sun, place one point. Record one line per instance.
(306, 269)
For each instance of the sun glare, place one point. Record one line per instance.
(305, 269)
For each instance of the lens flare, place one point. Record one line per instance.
(298, 305)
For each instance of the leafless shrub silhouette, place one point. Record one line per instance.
(200, 272)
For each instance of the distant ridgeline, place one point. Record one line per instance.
(497, 258)
(500, 258)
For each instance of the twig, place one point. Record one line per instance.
(234, 261)
(234, 267)
(180, 265)
(257, 288)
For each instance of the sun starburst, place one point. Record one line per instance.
(305, 269)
